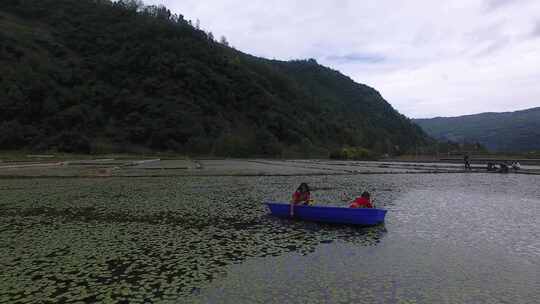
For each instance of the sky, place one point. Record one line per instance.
(427, 58)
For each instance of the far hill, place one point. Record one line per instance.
(504, 132)
(98, 76)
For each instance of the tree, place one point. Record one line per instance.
(133, 5)
(223, 40)
(11, 135)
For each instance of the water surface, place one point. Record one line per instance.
(448, 238)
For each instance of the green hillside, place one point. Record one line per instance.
(504, 132)
(100, 76)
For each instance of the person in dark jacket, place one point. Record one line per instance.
(467, 162)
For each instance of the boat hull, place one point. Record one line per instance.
(335, 215)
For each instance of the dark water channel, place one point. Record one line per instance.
(448, 238)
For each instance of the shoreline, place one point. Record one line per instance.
(228, 167)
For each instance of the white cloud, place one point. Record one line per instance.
(427, 58)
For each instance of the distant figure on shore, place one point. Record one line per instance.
(362, 201)
(466, 161)
(503, 168)
(302, 196)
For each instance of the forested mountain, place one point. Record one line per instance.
(100, 76)
(508, 132)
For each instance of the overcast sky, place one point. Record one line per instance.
(427, 58)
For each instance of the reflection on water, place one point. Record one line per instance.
(459, 238)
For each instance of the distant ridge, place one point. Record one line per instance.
(517, 131)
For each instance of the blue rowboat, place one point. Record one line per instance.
(336, 215)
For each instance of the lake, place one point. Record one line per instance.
(448, 238)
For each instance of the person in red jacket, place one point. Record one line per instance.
(362, 201)
(301, 196)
